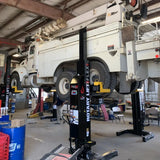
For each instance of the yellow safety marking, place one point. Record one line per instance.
(16, 90)
(53, 90)
(89, 141)
(33, 115)
(102, 90)
(106, 154)
(139, 90)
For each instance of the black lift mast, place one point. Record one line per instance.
(80, 132)
(138, 115)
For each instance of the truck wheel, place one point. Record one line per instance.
(15, 81)
(63, 85)
(98, 72)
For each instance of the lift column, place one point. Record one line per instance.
(138, 115)
(80, 125)
(80, 102)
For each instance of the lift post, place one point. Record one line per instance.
(80, 127)
(80, 102)
(138, 115)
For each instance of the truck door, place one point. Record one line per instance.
(31, 64)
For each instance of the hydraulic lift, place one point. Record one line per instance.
(138, 115)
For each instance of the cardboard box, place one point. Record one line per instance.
(17, 123)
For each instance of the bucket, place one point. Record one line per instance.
(17, 142)
(3, 124)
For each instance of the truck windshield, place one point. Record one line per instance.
(32, 49)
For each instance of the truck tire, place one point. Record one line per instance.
(15, 81)
(134, 86)
(63, 85)
(113, 83)
(98, 72)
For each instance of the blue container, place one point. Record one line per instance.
(3, 124)
(4, 118)
(17, 142)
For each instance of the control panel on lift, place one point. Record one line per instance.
(80, 113)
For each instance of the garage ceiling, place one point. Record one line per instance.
(20, 18)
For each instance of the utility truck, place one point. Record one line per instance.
(118, 53)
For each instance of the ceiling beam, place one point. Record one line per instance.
(38, 8)
(9, 43)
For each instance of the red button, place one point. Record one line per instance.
(157, 56)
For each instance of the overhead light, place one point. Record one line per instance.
(16, 55)
(153, 20)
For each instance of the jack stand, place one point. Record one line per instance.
(38, 111)
(138, 115)
(80, 130)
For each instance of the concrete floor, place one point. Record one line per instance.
(42, 136)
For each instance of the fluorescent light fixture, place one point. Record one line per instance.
(16, 55)
(153, 20)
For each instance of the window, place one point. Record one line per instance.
(32, 49)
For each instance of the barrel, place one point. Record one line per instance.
(3, 124)
(17, 142)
